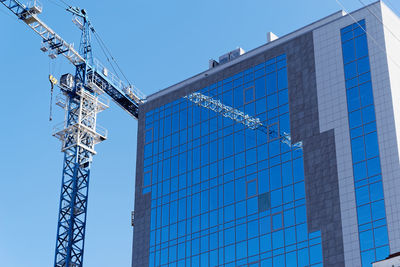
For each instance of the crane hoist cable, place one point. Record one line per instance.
(53, 82)
(54, 71)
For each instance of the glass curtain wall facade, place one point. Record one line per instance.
(373, 234)
(223, 194)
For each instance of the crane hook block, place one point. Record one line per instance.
(53, 80)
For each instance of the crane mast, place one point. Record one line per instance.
(78, 137)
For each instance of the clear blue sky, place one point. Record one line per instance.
(157, 43)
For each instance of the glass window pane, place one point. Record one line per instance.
(260, 89)
(360, 171)
(289, 218)
(283, 97)
(275, 177)
(367, 257)
(373, 166)
(277, 239)
(361, 46)
(381, 236)
(241, 232)
(362, 195)
(252, 229)
(271, 83)
(368, 114)
(240, 189)
(265, 243)
(378, 210)
(316, 254)
(238, 97)
(301, 215)
(351, 83)
(353, 99)
(299, 191)
(290, 236)
(298, 169)
(366, 95)
(229, 253)
(291, 258)
(229, 236)
(252, 206)
(355, 119)
(277, 221)
(371, 145)
(240, 209)
(288, 194)
(303, 258)
(253, 246)
(272, 101)
(241, 250)
(376, 190)
(282, 79)
(265, 225)
(249, 94)
(363, 65)
(350, 70)
(347, 36)
(382, 253)
(301, 232)
(364, 214)
(357, 149)
(366, 240)
(349, 53)
(251, 188)
(261, 106)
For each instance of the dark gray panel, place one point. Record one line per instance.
(320, 167)
(141, 231)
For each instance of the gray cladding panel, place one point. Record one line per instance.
(321, 177)
(141, 231)
(320, 167)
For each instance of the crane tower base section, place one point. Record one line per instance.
(79, 134)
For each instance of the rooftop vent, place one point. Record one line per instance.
(212, 63)
(231, 55)
(271, 37)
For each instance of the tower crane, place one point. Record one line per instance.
(82, 98)
(79, 133)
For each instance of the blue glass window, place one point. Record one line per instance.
(224, 194)
(364, 145)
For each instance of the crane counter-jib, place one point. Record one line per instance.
(123, 96)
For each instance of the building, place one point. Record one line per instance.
(392, 261)
(216, 189)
